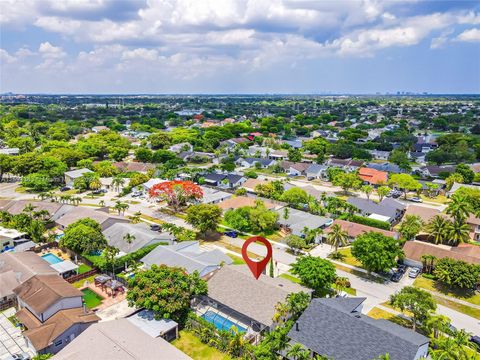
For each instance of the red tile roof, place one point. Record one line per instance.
(373, 176)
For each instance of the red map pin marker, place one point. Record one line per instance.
(257, 267)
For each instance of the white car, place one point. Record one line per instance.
(414, 272)
(416, 199)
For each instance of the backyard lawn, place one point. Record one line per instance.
(91, 298)
(193, 347)
(78, 284)
(83, 269)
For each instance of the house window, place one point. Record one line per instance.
(57, 343)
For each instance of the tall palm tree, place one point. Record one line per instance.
(281, 313)
(459, 232)
(438, 229)
(411, 226)
(236, 343)
(459, 208)
(135, 218)
(95, 184)
(436, 324)
(118, 182)
(337, 237)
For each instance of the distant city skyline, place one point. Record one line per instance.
(239, 47)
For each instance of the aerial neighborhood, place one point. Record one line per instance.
(122, 223)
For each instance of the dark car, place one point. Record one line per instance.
(396, 277)
(402, 269)
(232, 234)
(65, 188)
(476, 340)
(155, 227)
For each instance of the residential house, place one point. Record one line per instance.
(97, 129)
(226, 181)
(474, 223)
(386, 166)
(99, 215)
(145, 320)
(52, 313)
(252, 162)
(372, 176)
(294, 168)
(15, 269)
(10, 151)
(414, 250)
(258, 151)
(379, 154)
(388, 209)
(120, 339)
(424, 213)
(297, 221)
(250, 184)
(457, 186)
(354, 230)
(214, 196)
(233, 293)
(231, 143)
(187, 255)
(296, 144)
(434, 171)
(117, 235)
(9, 238)
(418, 157)
(178, 148)
(242, 201)
(278, 155)
(54, 209)
(196, 156)
(134, 166)
(316, 171)
(346, 164)
(151, 183)
(336, 329)
(71, 176)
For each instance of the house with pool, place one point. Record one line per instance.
(236, 299)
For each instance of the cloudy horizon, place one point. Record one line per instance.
(239, 47)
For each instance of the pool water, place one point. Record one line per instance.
(91, 298)
(220, 322)
(52, 259)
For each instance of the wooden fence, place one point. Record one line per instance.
(85, 275)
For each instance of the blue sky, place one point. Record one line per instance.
(235, 46)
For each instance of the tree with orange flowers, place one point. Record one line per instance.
(176, 193)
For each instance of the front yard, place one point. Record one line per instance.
(348, 257)
(433, 285)
(193, 347)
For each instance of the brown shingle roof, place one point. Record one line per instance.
(241, 201)
(42, 291)
(251, 183)
(423, 212)
(415, 249)
(354, 229)
(42, 335)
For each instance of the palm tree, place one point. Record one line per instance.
(337, 237)
(459, 232)
(101, 203)
(118, 182)
(411, 226)
(342, 283)
(129, 238)
(95, 184)
(121, 207)
(298, 352)
(135, 218)
(438, 229)
(281, 313)
(459, 208)
(236, 343)
(436, 324)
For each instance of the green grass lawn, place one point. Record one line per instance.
(13, 320)
(360, 274)
(436, 286)
(193, 347)
(440, 199)
(237, 260)
(377, 313)
(91, 298)
(83, 269)
(348, 258)
(294, 279)
(78, 284)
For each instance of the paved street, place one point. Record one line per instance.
(11, 339)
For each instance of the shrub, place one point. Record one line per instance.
(369, 222)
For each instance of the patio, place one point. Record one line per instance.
(112, 291)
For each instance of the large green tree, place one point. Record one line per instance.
(83, 237)
(376, 251)
(410, 226)
(204, 217)
(405, 182)
(165, 290)
(415, 301)
(315, 273)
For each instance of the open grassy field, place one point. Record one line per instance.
(193, 347)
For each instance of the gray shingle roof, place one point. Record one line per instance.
(298, 220)
(330, 328)
(77, 173)
(234, 286)
(388, 207)
(143, 236)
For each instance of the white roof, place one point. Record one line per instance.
(146, 322)
(379, 217)
(64, 266)
(77, 173)
(148, 185)
(10, 233)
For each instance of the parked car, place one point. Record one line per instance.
(22, 356)
(232, 234)
(476, 340)
(155, 227)
(402, 268)
(65, 188)
(416, 199)
(414, 272)
(395, 194)
(137, 193)
(397, 276)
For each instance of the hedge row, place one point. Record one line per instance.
(369, 222)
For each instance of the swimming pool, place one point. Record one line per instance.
(52, 259)
(220, 322)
